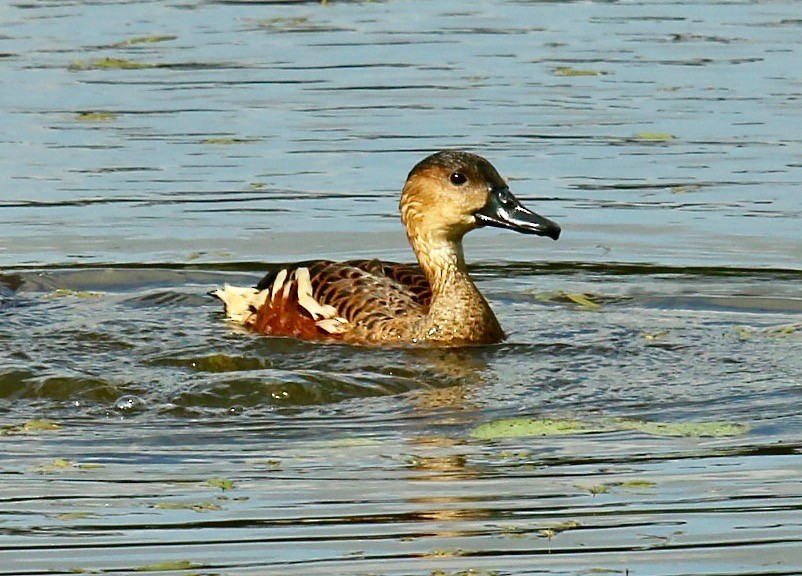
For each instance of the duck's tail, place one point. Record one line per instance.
(287, 302)
(241, 303)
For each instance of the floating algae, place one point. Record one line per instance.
(523, 427)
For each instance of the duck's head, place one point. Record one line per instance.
(452, 192)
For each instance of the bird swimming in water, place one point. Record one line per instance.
(370, 302)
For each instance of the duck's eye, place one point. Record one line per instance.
(458, 178)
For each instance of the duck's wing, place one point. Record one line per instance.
(324, 299)
(322, 272)
(410, 276)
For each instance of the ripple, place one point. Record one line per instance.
(263, 132)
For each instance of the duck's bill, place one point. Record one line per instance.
(503, 210)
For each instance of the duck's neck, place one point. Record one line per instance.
(458, 311)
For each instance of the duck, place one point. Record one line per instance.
(375, 303)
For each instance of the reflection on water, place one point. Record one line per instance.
(178, 146)
(225, 452)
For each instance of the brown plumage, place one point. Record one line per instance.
(372, 302)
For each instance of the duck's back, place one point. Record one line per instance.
(355, 301)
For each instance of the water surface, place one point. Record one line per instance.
(152, 151)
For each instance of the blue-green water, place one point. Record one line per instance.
(151, 151)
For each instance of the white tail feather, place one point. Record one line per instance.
(334, 325)
(278, 282)
(305, 298)
(241, 303)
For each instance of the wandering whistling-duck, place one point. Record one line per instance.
(381, 303)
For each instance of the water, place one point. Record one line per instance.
(227, 137)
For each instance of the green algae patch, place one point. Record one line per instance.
(169, 566)
(31, 427)
(269, 463)
(222, 483)
(283, 22)
(57, 465)
(63, 292)
(62, 464)
(554, 529)
(781, 331)
(199, 507)
(137, 40)
(95, 116)
(108, 64)
(89, 466)
(686, 429)
(217, 363)
(68, 516)
(445, 553)
(568, 71)
(594, 488)
(40, 425)
(527, 427)
(654, 137)
(583, 301)
(655, 335)
(627, 485)
(636, 484)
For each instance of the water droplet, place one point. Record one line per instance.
(129, 402)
